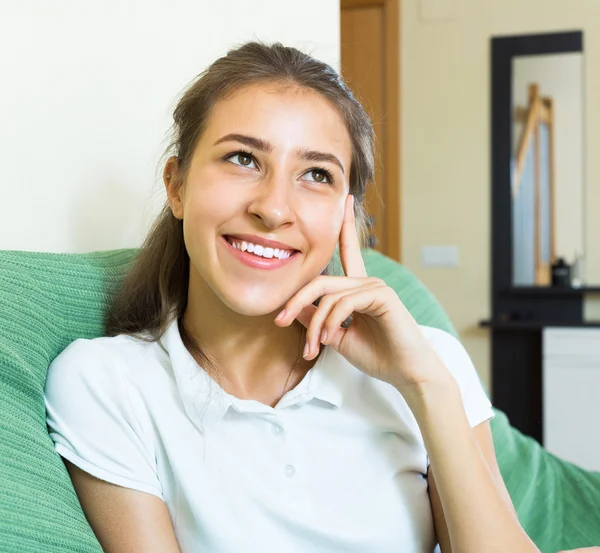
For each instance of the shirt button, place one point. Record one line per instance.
(290, 471)
(276, 430)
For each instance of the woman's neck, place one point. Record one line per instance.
(252, 355)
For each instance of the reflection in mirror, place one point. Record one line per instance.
(547, 166)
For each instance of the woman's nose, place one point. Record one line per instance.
(272, 202)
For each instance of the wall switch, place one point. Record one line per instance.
(439, 256)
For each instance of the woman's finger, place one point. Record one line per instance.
(315, 289)
(350, 255)
(370, 302)
(306, 315)
(326, 304)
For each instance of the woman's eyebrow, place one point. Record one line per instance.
(312, 155)
(250, 141)
(265, 146)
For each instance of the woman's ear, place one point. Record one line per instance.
(173, 187)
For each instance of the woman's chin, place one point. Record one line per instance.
(254, 305)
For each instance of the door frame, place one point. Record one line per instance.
(391, 195)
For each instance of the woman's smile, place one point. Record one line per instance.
(257, 254)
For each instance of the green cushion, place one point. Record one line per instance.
(49, 300)
(46, 302)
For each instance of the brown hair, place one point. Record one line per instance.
(156, 287)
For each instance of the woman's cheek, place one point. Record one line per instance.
(211, 203)
(326, 222)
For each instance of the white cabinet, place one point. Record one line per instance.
(571, 394)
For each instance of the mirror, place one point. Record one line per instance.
(547, 167)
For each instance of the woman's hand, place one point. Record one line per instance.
(383, 340)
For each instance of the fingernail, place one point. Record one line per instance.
(280, 316)
(306, 349)
(323, 336)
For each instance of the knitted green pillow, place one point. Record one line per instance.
(46, 302)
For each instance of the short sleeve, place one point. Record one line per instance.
(91, 420)
(454, 356)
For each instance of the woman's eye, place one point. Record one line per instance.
(239, 158)
(318, 175)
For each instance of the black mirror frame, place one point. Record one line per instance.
(503, 50)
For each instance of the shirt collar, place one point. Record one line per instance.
(206, 403)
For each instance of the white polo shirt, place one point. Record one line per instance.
(337, 466)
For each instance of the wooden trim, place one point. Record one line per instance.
(350, 4)
(526, 138)
(544, 112)
(392, 143)
(389, 190)
(522, 113)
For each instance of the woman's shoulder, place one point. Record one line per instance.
(97, 413)
(106, 361)
(105, 345)
(451, 351)
(439, 339)
(457, 360)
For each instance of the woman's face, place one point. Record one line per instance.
(273, 164)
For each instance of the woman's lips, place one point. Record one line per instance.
(257, 240)
(255, 261)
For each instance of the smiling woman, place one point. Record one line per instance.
(231, 390)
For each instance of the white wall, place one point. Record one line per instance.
(86, 93)
(560, 77)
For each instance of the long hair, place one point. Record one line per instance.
(156, 288)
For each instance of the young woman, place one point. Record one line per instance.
(230, 411)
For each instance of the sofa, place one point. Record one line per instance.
(48, 300)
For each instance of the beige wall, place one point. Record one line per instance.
(446, 141)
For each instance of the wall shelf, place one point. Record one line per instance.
(549, 291)
(535, 325)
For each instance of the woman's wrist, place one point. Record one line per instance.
(425, 394)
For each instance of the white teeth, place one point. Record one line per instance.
(262, 251)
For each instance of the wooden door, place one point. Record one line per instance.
(370, 64)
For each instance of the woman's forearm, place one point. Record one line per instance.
(477, 517)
